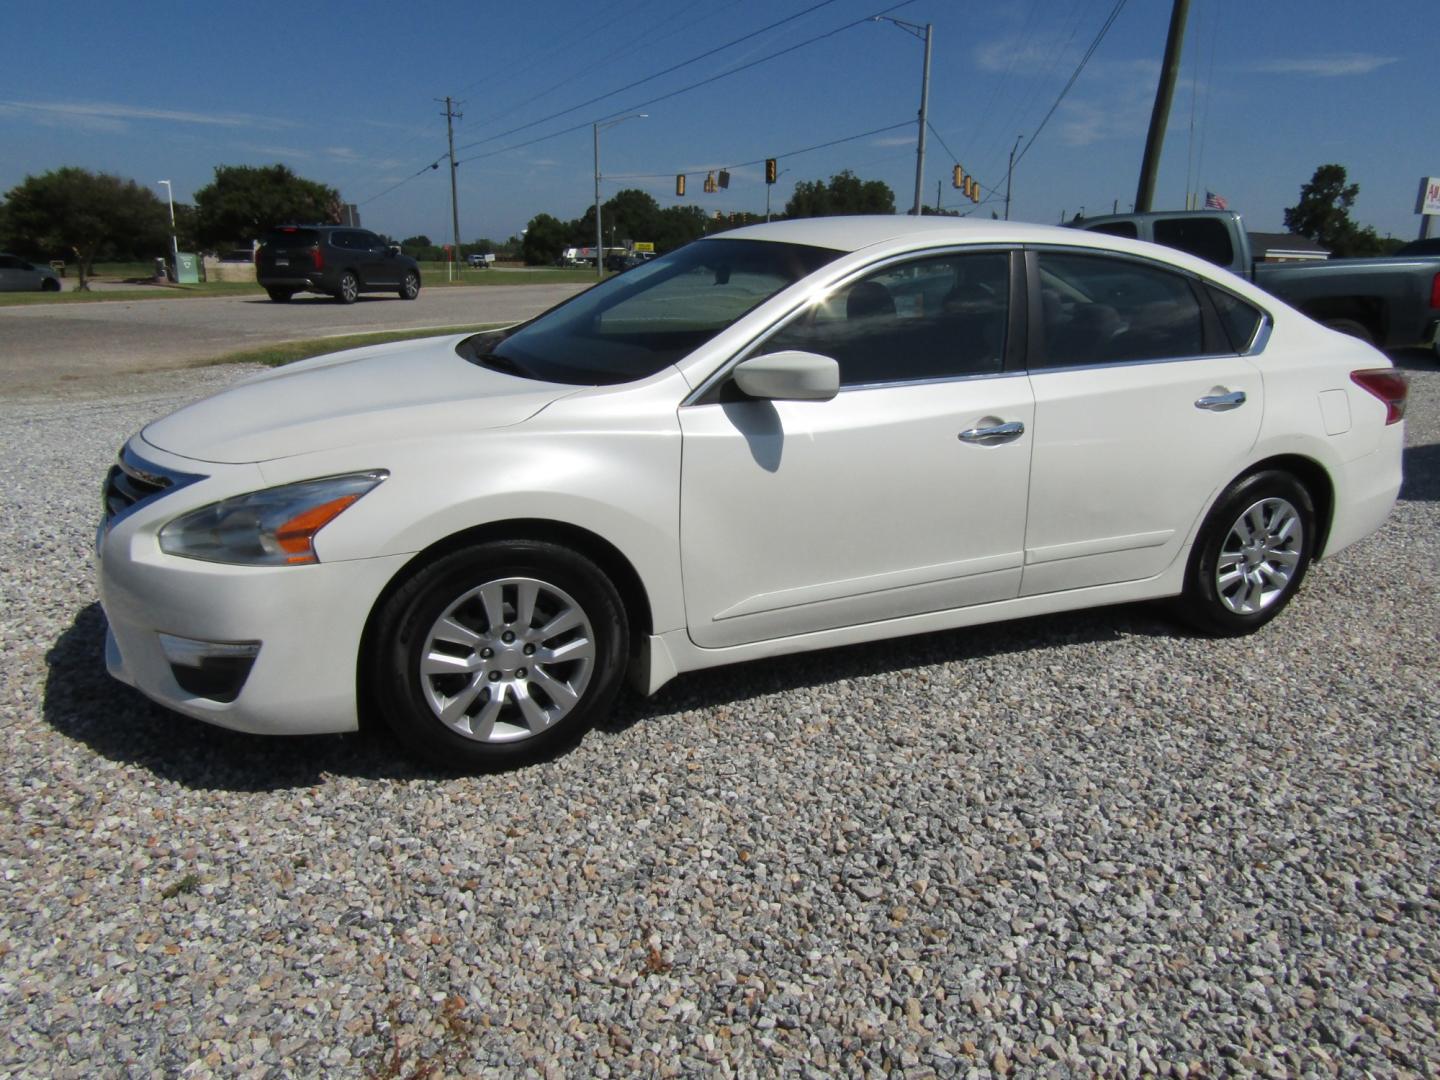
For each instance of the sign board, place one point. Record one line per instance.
(1429, 200)
(644, 245)
(187, 268)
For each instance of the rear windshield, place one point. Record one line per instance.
(291, 238)
(1205, 237)
(647, 318)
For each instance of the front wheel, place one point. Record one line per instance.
(410, 285)
(498, 654)
(1250, 556)
(349, 288)
(50, 285)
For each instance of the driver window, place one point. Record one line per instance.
(936, 318)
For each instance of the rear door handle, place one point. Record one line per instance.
(991, 436)
(1222, 401)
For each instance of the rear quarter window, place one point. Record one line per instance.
(1240, 320)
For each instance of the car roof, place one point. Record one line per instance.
(854, 233)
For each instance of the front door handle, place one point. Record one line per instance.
(992, 436)
(1222, 401)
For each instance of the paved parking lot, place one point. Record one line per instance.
(1088, 844)
(43, 346)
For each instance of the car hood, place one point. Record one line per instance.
(375, 394)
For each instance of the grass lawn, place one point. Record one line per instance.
(290, 351)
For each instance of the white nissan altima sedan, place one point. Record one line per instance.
(786, 437)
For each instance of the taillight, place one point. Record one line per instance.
(1435, 292)
(1389, 386)
(319, 258)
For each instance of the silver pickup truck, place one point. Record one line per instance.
(1393, 303)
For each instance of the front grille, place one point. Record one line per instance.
(122, 490)
(132, 481)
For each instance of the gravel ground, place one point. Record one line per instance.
(1088, 844)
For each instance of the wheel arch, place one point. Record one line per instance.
(604, 554)
(1316, 481)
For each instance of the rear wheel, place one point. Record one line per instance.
(1250, 556)
(410, 285)
(498, 654)
(349, 288)
(280, 296)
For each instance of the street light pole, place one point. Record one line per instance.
(174, 243)
(925, 33)
(599, 235)
(1010, 174)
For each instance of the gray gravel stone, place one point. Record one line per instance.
(1086, 844)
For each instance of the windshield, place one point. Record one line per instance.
(649, 317)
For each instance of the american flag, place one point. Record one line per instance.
(1216, 202)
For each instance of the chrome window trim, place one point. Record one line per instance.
(721, 373)
(1132, 363)
(943, 380)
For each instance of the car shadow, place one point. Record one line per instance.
(1414, 359)
(120, 724)
(319, 300)
(727, 685)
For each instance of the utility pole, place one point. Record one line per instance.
(925, 33)
(1010, 174)
(1160, 114)
(939, 187)
(450, 117)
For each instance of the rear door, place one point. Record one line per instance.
(1142, 408)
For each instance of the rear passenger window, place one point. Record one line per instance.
(1240, 319)
(1206, 237)
(937, 318)
(1100, 310)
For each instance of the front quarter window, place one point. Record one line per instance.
(648, 318)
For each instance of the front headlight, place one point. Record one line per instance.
(274, 527)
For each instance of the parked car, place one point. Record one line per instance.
(333, 259)
(786, 437)
(1391, 302)
(479, 261)
(18, 275)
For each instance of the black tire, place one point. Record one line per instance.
(49, 285)
(460, 588)
(410, 285)
(349, 290)
(1234, 588)
(280, 296)
(1351, 327)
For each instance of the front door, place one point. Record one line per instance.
(904, 494)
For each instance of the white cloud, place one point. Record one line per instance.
(115, 116)
(1327, 66)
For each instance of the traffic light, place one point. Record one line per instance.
(724, 178)
(771, 172)
(958, 180)
(680, 184)
(710, 184)
(974, 190)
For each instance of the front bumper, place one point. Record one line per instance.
(308, 620)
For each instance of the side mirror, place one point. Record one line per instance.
(789, 376)
(393, 249)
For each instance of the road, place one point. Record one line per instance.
(43, 347)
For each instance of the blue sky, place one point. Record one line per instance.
(345, 94)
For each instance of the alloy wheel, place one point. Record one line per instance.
(507, 660)
(1259, 557)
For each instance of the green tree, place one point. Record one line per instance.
(545, 238)
(677, 226)
(1323, 214)
(631, 215)
(846, 193)
(243, 201)
(79, 213)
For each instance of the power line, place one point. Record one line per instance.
(1105, 29)
(761, 161)
(651, 78)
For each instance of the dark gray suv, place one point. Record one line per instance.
(333, 259)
